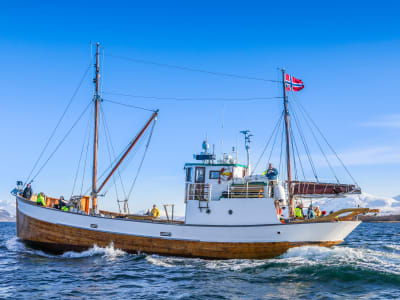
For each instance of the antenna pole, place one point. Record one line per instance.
(96, 100)
(247, 142)
(288, 158)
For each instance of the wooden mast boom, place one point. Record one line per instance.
(133, 143)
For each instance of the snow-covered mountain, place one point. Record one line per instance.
(8, 206)
(387, 205)
(5, 216)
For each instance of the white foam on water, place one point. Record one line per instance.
(15, 245)
(108, 252)
(160, 261)
(340, 256)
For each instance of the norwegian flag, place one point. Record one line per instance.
(292, 83)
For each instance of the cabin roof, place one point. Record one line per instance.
(216, 165)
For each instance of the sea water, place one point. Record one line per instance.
(366, 265)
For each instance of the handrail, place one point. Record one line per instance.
(335, 216)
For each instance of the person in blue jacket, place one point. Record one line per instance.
(272, 175)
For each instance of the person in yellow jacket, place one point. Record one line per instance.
(40, 200)
(155, 211)
(298, 212)
(317, 211)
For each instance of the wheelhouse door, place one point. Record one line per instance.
(199, 179)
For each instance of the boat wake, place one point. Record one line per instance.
(341, 262)
(109, 252)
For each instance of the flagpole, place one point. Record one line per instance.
(288, 158)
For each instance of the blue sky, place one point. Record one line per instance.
(345, 52)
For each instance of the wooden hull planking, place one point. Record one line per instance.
(55, 238)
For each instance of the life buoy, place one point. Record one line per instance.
(225, 174)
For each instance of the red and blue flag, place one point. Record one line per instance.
(293, 84)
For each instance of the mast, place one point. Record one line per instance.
(288, 158)
(96, 100)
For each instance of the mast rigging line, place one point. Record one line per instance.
(182, 68)
(131, 145)
(320, 147)
(269, 140)
(62, 140)
(108, 142)
(326, 141)
(59, 121)
(305, 145)
(141, 162)
(193, 99)
(128, 105)
(85, 141)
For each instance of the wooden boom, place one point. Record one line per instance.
(133, 143)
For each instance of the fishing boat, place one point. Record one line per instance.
(230, 212)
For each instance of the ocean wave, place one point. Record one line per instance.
(339, 256)
(109, 252)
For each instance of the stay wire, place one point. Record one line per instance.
(85, 141)
(267, 144)
(148, 62)
(108, 148)
(320, 147)
(274, 142)
(193, 99)
(294, 156)
(85, 163)
(141, 162)
(298, 153)
(62, 140)
(59, 121)
(128, 105)
(108, 133)
(329, 145)
(305, 145)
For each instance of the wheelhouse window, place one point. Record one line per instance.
(199, 176)
(214, 174)
(188, 174)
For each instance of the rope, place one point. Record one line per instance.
(59, 122)
(329, 145)
(62, 141)
(128, 105)
(192, 99)
(320, 148)
(269, 140)
(190, 69)
(108, 148)
(303, 140)
(141, 162)
(85, 163)
(298, 154)
(273, 146)
(294, 156)
(80, 157)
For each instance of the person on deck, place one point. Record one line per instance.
(40, 200)
(310, 212)
(27, 194)
(272, 175)
(298, 212)
(155, 211)
(317, 211)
